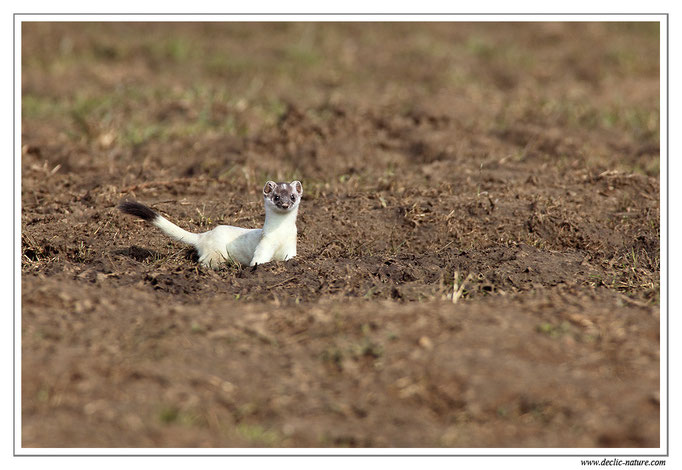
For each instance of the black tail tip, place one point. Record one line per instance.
(138, 210)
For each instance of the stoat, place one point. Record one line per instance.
(276, 241)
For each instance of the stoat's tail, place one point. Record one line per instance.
(167, 227)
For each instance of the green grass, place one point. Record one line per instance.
(37, 107)
(554, 330)
(229, 66)
(171, 414)
(128, 114)
(258, 435)
(302, 55)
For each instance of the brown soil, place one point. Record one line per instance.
(517, 161)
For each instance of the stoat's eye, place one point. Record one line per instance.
(275, 198)
(293, 197)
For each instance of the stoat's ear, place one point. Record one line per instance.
(297, 186)
(269, 186)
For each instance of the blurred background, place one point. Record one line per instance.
(122, 85)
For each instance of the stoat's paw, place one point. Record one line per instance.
(213, 260)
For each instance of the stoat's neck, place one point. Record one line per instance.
(277, 221)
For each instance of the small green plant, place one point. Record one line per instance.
(395, 249)
(370, 293)
(634, 260)
(367, 348)
(259, 435)
(333, 356)
(458, 286)
(169, 414)
(177, 49)
(554, 331)
(204, 221)
(230, 264)
(82, 252)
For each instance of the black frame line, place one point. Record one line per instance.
(343, 14)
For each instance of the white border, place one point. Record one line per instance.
(474, 452)
(664, 255)
(328, 18)
(17, 236)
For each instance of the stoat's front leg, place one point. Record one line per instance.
(289, 249)
(264, 251)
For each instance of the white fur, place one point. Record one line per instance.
(276, 241)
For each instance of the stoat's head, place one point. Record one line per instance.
(282, 197)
